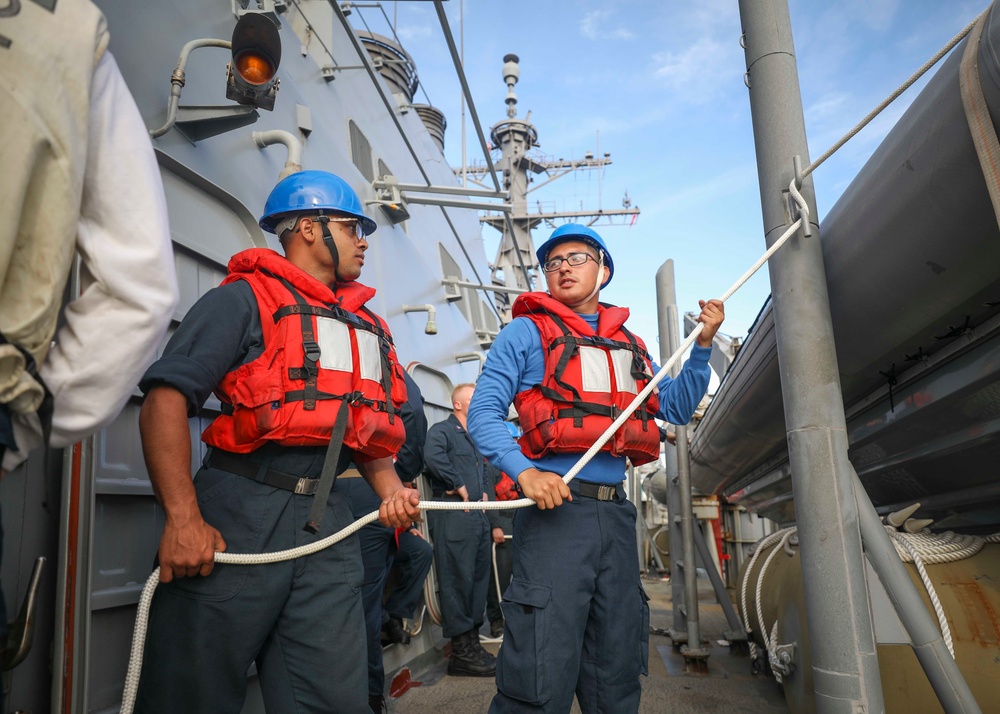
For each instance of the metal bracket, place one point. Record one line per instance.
(782, 660)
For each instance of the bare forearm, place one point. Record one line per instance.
(400, 505)
(381, 476)
(166, 446)
(187, 544)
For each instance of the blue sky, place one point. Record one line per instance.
(662, 82)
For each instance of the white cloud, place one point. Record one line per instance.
(705, 194)
(595, 26)
(697, 73)
(827, 106)
(416, 32)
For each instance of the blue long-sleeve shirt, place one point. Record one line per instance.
(516, 363)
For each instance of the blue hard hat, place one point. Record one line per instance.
(313, 192)
(574, 231)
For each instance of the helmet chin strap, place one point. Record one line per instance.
(331, 246)
(597, 280)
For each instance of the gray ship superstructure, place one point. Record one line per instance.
(343, 102)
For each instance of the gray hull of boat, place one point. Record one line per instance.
(912, 259)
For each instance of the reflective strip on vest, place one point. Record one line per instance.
(595, 376)
(334, 339)
(622, 360)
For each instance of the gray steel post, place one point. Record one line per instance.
(736, 632)
(693, 648)
(844, 662)
(928, 644)
(669, 326)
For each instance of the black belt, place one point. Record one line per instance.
(601, 491)
(248, 469)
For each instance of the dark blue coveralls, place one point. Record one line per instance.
(504, 520)
(461, 539)
(414, 557)
(300, 621)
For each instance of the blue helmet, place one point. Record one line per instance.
(313, 192)
(574, 231)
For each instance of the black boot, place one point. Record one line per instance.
(465, 660)
(393, 631)
(496, 628)
(377, 704)
(484, 656)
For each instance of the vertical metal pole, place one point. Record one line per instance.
(842, 641)
(461, 34)
(928, 644)
(693, 648)
(736, 632)
(641, 536)
(669, 326)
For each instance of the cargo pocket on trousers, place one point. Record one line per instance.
(521, 670)
(644, 632)
(233, 505)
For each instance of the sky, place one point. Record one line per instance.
(659, 85)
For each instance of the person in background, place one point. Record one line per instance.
(79, 178)
(377, 542)
(502, 522)
(309, 382)
(412, 555)
(576, 616)
(457, 472)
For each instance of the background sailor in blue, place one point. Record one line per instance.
(378, 542)
(457, 471)
(576, 614)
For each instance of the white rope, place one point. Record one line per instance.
(927, 548)
(892, 97)
(903, 543)
(757, 549)
(923, 548)
(770, 643)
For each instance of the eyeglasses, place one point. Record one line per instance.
(358, 229)
(574, 259)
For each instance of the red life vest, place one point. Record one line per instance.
(322, 349)
(589, 380)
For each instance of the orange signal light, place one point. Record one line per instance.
(254, 67)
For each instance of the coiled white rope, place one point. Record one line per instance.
(142, 614)
(922, 548)
(926, 547)
(781, 538)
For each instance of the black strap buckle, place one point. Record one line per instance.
(312, 350)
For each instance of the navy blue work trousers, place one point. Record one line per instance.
(376, 542)
(462, 558)
(500, 579)
(300, 621)
(576, 616)
(414, 558)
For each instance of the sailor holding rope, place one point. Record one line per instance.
(576, 614)
(302, 368)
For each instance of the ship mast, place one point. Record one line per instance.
(515, 264)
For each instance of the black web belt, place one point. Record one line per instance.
(601, 491)
(270, 477)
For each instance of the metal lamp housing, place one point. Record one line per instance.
(252, 73)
